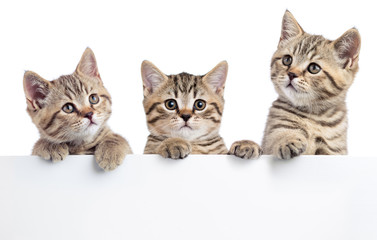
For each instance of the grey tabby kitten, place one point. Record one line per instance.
(312, 75)
(184, 114)
(71, 114)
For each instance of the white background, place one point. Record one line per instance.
(193, 36)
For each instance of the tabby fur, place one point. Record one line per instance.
(71, 114)
(187, 128)
(311, 75)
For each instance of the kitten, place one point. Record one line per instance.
(184, 114)
(71, 114)
(311, 76)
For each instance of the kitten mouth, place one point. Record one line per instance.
(92, 123)
(291, 86)
(185, 127)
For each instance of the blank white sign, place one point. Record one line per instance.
(201, 197)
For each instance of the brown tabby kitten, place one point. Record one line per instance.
(71, 114)
(311, 75)
(184, 114)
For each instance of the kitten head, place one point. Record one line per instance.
(183, 105)
(310, 70)
(72, 108)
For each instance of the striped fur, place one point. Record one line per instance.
(84, 130)
(171, 135)
(310, 114)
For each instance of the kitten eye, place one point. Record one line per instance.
(68, 108)
(287, 60)
(93, 99)
(314, 68)
(199, 104)
(170, 104)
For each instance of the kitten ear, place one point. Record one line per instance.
(216, 77)
(152, 77)
(289, 27)
(88, 65)
(347, 48)
(36, 90)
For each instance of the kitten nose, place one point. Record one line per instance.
(186, 117)
(89, 115)
(292, 76)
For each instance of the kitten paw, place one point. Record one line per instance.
(111, 152)
(245, 149)
(175, 148)
(50, 151)
(109, 155)
(290, 149)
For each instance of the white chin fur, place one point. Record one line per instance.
(187, 133)
(290, 93)
(87, 131)
(297, 98)
(91, 130)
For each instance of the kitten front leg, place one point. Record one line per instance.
(245, 149)
(50, 151)
(175, 148)
(111, 151)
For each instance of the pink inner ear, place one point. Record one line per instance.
(147, 83)
(35, 92)
(348, 45)
(217, 78)
(92, 66)
(36, 89)
(151, 77)
(352, 49)
(88, 65)
(284, 33)
(290, 27)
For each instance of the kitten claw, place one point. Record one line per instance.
(290, 149)
(174, 148)
(50, 151)
(245, 149)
